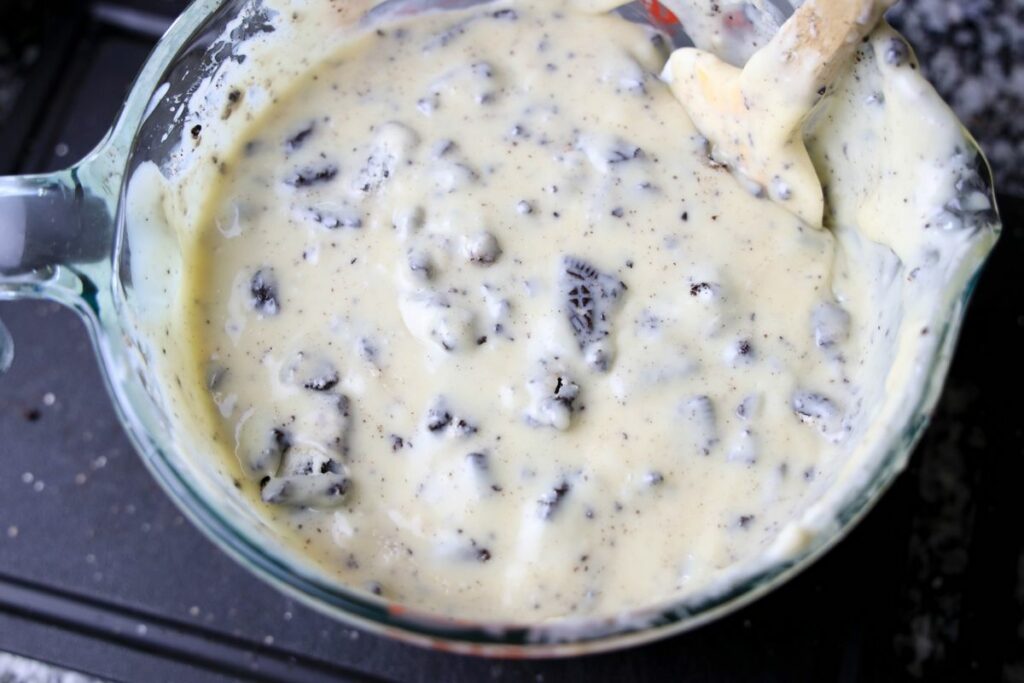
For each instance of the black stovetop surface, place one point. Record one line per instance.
(99, 571)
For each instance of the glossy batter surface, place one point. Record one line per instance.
(488, 328)
(479, 297)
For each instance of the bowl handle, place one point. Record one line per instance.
(56, 239)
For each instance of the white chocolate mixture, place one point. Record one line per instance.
(491, 328)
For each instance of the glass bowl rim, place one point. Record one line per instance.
(495, 639)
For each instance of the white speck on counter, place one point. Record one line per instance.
(49, 399)
(12, 532)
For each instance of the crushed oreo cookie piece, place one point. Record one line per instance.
(263, 292)
(549, 503)
(442, 421)
(554, 399)
(267, 460)
(482, 248)
(589, 300)
(897, 52)
(295, 141)
(831, 325)
(438, 416)
(311, 175)
(421, 265)
(319, 491)
(307, 477)
(699, 412)
(819, 410)
(310, 371)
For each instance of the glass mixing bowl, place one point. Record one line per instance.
(63, 237)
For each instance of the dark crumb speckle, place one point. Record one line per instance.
(438, 421)
(296, 141)
(324, 382)
(304, 177)
(700, 288)
(550, 501)
(896, 52)
(234, 97)
(478, 461)
(654, 478)
(263, 291)
(464, 428)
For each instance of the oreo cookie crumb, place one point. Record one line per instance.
(309, 175)
(590, 297)
(548, 504)
(263, 291)
(297, 140)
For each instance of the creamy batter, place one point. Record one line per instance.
(494, 324)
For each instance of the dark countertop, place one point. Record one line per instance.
(99, 572)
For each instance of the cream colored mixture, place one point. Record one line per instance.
(495, 325)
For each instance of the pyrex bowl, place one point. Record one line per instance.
(63, 237)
